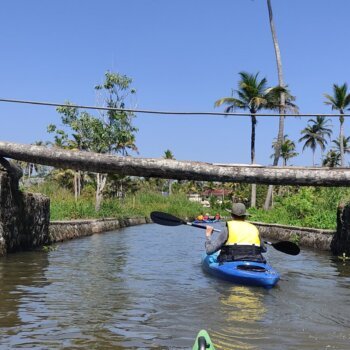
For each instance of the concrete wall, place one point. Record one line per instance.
(306, 237)
(64, 230)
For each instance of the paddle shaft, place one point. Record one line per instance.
(200, 226)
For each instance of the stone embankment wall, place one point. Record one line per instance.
(305, 237)
(24, 217)
(64, 230)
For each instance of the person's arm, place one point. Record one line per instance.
(262, 245)
(215, 245)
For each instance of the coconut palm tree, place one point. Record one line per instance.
(282, 100)
(346, 145)
(280, 82)
(253, 94)
(169, 155)
(287, 149)
(340, 101)
(315, 134)
(332, 159)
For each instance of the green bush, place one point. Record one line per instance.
(307, 207)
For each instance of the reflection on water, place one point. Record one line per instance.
(143, 288)
(243, 307)
(243, 304)
(17, 274)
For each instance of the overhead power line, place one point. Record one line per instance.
(41, 103)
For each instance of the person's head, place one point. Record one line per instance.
(238, 211)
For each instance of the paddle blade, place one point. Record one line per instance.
(166, 219)
(287, 247)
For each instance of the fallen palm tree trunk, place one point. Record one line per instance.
(175, 169)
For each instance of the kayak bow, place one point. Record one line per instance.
(203, 341)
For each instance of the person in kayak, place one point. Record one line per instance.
(240, 240)
(199, 217)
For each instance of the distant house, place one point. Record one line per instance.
(220, 193)
(204, 197)
(195, 197)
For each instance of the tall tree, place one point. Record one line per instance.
(282, 100)
(114, 133)
(169, 155)
(340, 101)
(287, 149)
(346, 145)
(332, 159)
(111, 132)
(253, 94)
(315, 134)
(77, 137)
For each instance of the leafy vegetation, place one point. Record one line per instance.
(295, 206)
(63, 205)
(306, 207)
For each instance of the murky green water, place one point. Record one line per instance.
(143, 288)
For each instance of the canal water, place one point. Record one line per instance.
(142, 287)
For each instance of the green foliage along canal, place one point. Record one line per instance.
(143, 288)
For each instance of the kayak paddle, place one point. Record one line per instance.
(170, 220)
(285, 247)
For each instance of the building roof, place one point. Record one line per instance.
(216, 192)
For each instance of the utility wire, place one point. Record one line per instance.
(168, 112)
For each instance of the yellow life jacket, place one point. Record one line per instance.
(242, 233)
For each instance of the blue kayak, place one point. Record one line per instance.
(241, 272)
(204, 221)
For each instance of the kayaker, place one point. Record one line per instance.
(240, 240)
(199, 217)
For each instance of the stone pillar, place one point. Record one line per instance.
(24, 217)
(341, 240)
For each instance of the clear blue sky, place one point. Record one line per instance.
(182, 55)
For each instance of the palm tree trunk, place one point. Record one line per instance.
(76, 185)
(170, 183)
(313, 157)
(282, 102)
(341, 138)
(79, 183)
(100, 185)
(252, 158)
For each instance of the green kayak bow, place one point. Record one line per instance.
(203, 341)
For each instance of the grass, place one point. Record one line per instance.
(64, 207)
